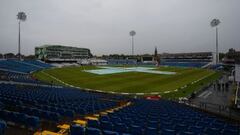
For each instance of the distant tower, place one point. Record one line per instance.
(156, 58)
(155, 52)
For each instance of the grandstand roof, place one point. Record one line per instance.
(48, 45)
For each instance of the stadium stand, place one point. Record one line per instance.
(157, 118)
(18, 71)
(121, 62)
(38, 63)
(13, 65)
(27, 105)
(17, 77)
(22, 66)
(196, 59)
(183, 63)
(79, 112)
(52, 99)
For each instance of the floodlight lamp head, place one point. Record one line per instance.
(215, 22)
(21, 16)
(132, 33)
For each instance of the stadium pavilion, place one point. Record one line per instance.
(60, 53)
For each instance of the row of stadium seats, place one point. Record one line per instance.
(158, 117)
(22, 66)
(165, 62)
(38, 63)
(185, 60)
(20, 118)
(184, 64)
(27, 105)
(53, 98)
(43, 114)
(18, 77)
(121, 62)
(134, 130)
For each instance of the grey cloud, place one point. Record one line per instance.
(104, 25)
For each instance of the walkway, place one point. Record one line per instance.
(217, 98)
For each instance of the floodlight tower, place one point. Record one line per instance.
(215, 23)
(132, 33)
(21, 16)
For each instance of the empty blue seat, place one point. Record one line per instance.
(189, 122)
(76, 130)
(153, 124)
(128, 122)
(209, 119)
(166, 125)
(187, 133)
(203, 124)
(33, 122)
(107, 132)
(105, 125)
(181, 127)
(21, 118)
(232, 127)
(69, 113)
(151, 131)
(120, 127)
(116, 120)
(230, 132)
(45, 115)
(168, 132)
(212, 131)
(92, 131)
(196, 129)
(218, 125)
(93, 123)
(81, 111)
(104, 118)
(54, 117)
(136, 130)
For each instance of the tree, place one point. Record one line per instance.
(9, 56)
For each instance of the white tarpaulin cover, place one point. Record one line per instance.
(114, 70)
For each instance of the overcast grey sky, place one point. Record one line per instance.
(104, 25)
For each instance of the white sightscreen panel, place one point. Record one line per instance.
(237, 73)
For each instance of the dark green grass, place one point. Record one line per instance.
(131, 82)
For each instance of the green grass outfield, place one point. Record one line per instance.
(172, 86)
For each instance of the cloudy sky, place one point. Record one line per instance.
(104, 25)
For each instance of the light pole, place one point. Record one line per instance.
(132, 33)
(215, 23)
(21, 16)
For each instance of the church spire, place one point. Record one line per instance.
(156, 58)
(155, 53)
